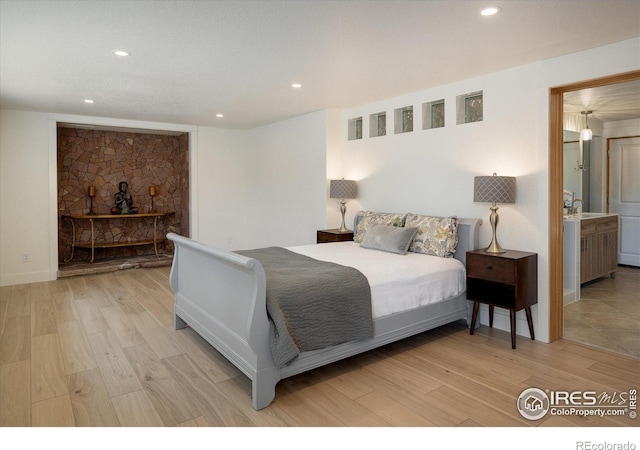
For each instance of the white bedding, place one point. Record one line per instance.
(398, 282)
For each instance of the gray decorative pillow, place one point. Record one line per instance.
(371, 218)
(388, 238)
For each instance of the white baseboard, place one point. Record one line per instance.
(501, 320)
(26, 278)
(569, 296)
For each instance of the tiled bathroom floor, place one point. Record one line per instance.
(608, 313)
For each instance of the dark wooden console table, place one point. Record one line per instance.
(92, 245)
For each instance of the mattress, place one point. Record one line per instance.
(398, 282)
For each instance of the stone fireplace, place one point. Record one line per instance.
(102, 158)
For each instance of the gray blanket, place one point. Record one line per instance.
(312, 304)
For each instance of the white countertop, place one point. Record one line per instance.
(587, 215)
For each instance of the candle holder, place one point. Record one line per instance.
(91, 192)
(152, 193)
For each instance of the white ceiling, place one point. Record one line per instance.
(607, 103)
(192, 59)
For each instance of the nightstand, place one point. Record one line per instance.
(506, 280)
(334, 235)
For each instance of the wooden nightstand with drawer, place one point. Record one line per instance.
(506, 280)
(335, 235)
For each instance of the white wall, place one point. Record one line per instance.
(431, 171)
(265, 186)
(28, 184)
(222, 188)
(28, 189)
(286, 178)
(334, 169)
(24, 197)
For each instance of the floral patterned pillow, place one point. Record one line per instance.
(436, 236)
(376, 218)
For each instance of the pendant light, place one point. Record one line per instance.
(586, 134)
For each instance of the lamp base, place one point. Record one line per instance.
(343, 209)
(494, 247)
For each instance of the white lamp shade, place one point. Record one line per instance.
(586, 134)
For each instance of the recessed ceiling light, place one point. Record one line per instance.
(490, 11)
(88, 100)
(220, 116)
(296, 85)
(121, 53)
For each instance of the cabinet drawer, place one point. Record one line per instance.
(327, 236)
(491, 269)
(587, 227)
(608, 224)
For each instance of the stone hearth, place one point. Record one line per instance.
(75, 268)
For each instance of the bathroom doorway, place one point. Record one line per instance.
(556, 107)
(627, 278)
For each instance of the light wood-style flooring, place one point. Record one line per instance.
(100, 351)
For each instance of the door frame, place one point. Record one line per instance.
(556, 106)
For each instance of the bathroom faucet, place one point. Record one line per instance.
(573, 210)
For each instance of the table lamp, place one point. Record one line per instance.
(494, 189)
(343, 189)
(91, 192)
(152, 193)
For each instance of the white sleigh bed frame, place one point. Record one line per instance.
(221, 295)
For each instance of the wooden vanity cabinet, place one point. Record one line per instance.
(598, 248)
(588, 244)
(608, 245)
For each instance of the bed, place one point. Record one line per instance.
(222, 296)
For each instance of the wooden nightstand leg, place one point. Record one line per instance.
(474, 316)
(527, 311)
(491, 316)
(512, 316)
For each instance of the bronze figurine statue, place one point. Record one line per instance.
(124, 202)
